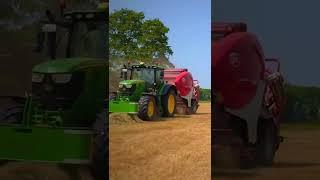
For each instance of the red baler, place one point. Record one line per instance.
(188, 89)
(248, 97)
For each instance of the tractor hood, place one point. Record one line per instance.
(131, 82)
(132, 90)
(67, 65)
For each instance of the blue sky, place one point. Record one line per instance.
(189, 35)
(288, 30)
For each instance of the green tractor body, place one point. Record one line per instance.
(64, 118)
(143, 92)
(57, 126)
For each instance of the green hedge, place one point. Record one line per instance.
(205, 94)
(303, 104)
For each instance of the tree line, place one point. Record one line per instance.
(133, 37)
(205, 94)
(302, 104)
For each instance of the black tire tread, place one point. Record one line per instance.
(165, 104)
(262, 158)
(100, 155)
(143, 108)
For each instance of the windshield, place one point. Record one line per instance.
(145, 74)
(89, 39)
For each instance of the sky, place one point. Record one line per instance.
(287, 30)
(189, 35)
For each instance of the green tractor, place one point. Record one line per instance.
(144, 92)
(64, 119)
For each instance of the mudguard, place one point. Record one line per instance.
(166, 89)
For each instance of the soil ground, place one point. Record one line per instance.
(298, 158)
(173, 148)
(42, 171)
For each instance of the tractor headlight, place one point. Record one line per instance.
(129, 86)
(120, 85)
(37, 77)
(61, 78)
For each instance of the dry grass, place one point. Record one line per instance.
(176, 148)
(121, 118)
(298, 158)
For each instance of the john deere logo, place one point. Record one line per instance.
(234, 59)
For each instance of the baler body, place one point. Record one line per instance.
(248, 93)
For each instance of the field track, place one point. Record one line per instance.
(175, 148)
(298, 158)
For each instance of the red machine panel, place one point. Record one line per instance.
(238, 65)
(181, 78)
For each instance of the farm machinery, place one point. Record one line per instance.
(144, 92)
(249, 96)
(188, 90)
(149, 91)
(64, 119)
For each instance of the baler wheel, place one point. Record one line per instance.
(147, 108)
(266, 147)
(169, 104)
(100, 154)
(194, 107)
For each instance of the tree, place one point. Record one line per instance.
(133, 37)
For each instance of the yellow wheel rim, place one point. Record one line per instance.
(171, 103)
(150, 108)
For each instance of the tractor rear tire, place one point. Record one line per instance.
(100, 154)
(147, 108)
(169, 104)
(266, 146)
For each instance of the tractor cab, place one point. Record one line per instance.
(152, 75)
(140, 78)
(75, 72)
(76, 34)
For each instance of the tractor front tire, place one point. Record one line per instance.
(147, 108)
(112, 96)
(169, 104)
(266, 146)
(100, 154)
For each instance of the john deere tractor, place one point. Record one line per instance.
(64, 118)
(144, 92)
